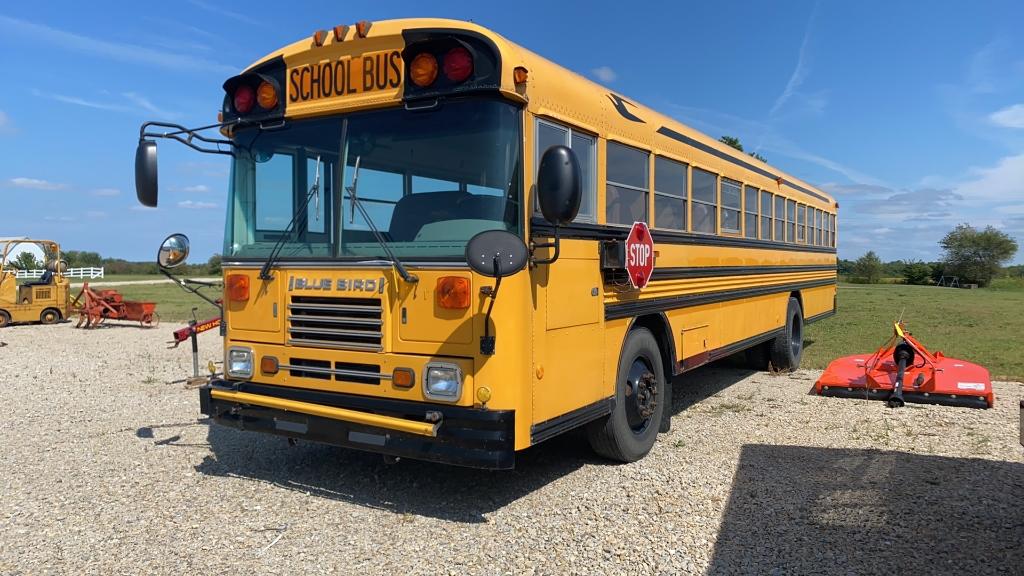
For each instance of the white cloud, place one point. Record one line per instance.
(112, 50)
(35, 184)
(196, 205)
(1009, 117)
(196, 188)
(224, 12)
(5, 123)
(1003, 182)
(106, 192)
(95, 214)
(58, 218)
(800, 72)
(604, 74)
(137, 104)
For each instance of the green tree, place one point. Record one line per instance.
(80, 259)
(26, 261)
(976, 256)
(868, 268)
(213, 265)
(735, 143)
(917, 272)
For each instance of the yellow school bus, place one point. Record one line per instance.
(426, 249)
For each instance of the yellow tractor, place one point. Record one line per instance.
(45, 299)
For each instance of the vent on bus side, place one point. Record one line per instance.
(342, 323)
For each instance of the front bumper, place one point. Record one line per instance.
(471, 437)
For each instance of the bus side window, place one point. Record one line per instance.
(750, 212)
(780, 218)
(730, 206)
(627, 184)
(669, 194)
(705, 186)
(585, 146)
(801, 222)
(766, 215)
(790, 220)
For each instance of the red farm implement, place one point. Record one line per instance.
(96, 306)
(903, 370)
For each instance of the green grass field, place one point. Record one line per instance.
(985, 326)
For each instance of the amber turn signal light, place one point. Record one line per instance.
(453, 292)
(266, 96)
(403, 377)
(268, 365)
(423, 69)
(520, 74)
(236, 287)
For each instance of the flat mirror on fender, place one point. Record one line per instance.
(559, 185)
(145, 173)
(496, 253)
(173, 251)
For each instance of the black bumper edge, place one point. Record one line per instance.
(471, 437)
(912, 397)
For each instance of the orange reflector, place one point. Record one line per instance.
(266, 96)
(268, 365)
(453, 292)
(236, 287)
(520, 74)
(423, 69)
(362, 28)
(403, 377)
(318, 37)
(339, 33)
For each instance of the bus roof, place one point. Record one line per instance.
(576, 99)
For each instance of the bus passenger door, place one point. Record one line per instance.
(568, 344)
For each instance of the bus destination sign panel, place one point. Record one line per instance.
(375, 72)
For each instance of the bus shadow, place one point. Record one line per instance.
(708, 380)
(799, 510)
(409, 487)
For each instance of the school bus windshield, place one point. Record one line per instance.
(428, 179)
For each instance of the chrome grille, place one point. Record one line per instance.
(329, 322)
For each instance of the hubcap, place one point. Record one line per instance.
(641, 395)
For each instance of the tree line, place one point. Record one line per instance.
(972, 256)
(85, 259)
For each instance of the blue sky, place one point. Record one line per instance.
(912, 114)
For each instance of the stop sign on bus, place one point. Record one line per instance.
(639, 255)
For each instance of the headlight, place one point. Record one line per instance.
(239, 362)
(442, 381)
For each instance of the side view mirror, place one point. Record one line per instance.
(145, 173)
(173, 251)
(496, 253)
(559, 185)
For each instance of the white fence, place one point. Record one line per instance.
(71, 273)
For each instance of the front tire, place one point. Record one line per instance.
(5, 319)
(49, 316)
(629, 432)
(788, 346)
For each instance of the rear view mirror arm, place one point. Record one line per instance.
(190, 134)
(554, 244)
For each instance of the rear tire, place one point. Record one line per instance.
(788, 346)
(49, 316)
(629, 432)
(5, 319)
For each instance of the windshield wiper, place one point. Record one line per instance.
(314, 190)
(355, 203)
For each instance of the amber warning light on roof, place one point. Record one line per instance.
(375, 72)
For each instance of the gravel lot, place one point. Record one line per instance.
(106, 470)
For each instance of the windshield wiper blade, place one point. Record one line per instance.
(314, 190)
(355, 203)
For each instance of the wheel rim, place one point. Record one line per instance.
(49, 317)
(796, 338)
(641, 395)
